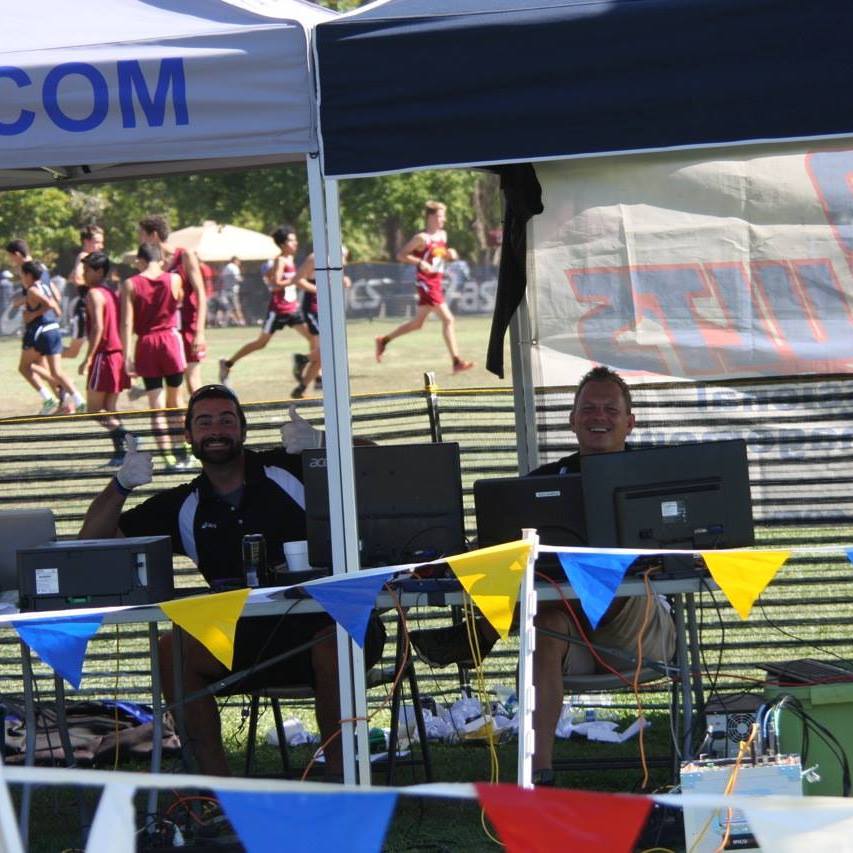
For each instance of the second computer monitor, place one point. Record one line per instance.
(409, 500)
(686, 496)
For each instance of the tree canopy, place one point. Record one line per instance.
(378, 214)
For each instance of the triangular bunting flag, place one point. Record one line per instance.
(350, 601)
(492, 577)
(314, 823)
(211, 619)
(810, 823)
(743, 575)
(114, 827)
(850, 554)
(61, 642)
(548, 819)
(595, 578)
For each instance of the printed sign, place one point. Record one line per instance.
(735, 263)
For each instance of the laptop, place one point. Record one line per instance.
(552, 505)
(20, 529)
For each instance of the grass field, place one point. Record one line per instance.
(266, 374)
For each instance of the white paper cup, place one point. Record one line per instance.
(296, 555)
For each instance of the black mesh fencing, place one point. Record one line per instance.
(799, 433)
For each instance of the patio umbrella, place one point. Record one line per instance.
(213, 242)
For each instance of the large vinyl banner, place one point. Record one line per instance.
(706, 265)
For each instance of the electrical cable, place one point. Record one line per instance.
(793, 636)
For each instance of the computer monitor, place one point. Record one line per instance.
(19, 529)
(409, 502)
(552, 505)
(686, 496)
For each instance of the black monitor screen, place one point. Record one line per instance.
(552, 505)
(687, 496)
(409, 500)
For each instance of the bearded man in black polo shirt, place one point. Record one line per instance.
(239, 491)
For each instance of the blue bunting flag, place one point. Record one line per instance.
(595, 578)
(61, 642)
(314, 823)
(350, 601)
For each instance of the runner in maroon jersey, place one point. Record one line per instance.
(193, 313)
(149, 305)
(284, 308)
(428, 251)
(104, 362)
(309, 369)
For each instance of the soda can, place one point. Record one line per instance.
(254, 559)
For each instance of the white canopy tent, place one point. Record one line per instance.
(132, 88)
(118, 88)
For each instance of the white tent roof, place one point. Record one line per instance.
(88, 87)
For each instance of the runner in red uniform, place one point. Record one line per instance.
(149, 306)
(104, 362)
(428, 251)
(193, 313)
(284, 308)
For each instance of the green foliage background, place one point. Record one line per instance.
(379, 214)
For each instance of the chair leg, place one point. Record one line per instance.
(254, 713)
(395, 712)
(280, 736)
(419, 719)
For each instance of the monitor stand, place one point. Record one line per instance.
(679, 566)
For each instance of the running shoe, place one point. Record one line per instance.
(459, 365)
(116, 460)
(224, 370)
(81, 408)
(299, 362)
(48, 407)
(298, 392)
(381, 344)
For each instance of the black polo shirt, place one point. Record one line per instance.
(209, 530)
(570, 464)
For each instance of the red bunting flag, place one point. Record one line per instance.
(548, 819)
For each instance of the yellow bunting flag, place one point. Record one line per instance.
(492, 577)
(211, 619)
(742, 575)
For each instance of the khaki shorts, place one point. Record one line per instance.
(621, 633)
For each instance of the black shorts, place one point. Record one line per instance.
(173, 380)
(274, 321)
(313, 323)
(260, 638)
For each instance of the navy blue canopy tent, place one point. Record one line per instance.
(413, 84)
(409, 84)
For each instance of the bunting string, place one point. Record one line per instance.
(538, 819)
(492, 577)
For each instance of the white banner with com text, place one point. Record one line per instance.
(697, 265)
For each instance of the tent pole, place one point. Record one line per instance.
(524, 397)
(339, 462)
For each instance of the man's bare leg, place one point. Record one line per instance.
(327, 702)
(203, 726)
(412, 325)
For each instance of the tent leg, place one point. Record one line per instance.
(325, 218)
